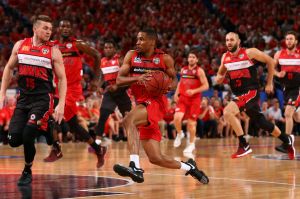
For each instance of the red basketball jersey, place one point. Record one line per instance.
(290, 63)
(189, 79)
(72, 61)
(110, 68)
(242, 71)
(141, 65)
(35, 67)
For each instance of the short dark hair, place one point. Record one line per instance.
(44, 18)
(150, 32)
(64, 19)
(194, 52)
(109, 41)
(291, 32)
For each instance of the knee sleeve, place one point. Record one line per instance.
(104, 114)
(261, 121)
(76, 128)
(15, 140)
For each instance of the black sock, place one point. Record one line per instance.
(284, 138)
(27, 168)
(242, 140)
(95, 147)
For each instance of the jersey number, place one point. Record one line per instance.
(30, 83)
(238, 83)
(290, 76)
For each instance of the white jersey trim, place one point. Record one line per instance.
(238, 65)
(289, 62)
(110, 69)
(35, 60)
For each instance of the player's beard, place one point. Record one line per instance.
(233, 49)
(291, 47)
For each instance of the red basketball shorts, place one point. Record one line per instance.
(189, 106)
(156, 109)
(73, 95)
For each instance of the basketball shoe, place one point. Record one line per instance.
(190, 148)
(54, 155)
(101, 155)
(282, 148)
(196, 173)
(242, 151)
(25, 179)
(288, 147)
(178, 139)
(136, 174)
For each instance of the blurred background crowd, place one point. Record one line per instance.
(181, 25)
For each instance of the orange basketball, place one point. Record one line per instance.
(159, 84)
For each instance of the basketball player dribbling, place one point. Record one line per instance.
(145, 116)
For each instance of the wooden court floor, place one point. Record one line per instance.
(263, 174)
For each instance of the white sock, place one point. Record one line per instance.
(98, 141)
(185, 166)
(136, 159)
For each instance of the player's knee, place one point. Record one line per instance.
(155, 159)
(297, 117)
(128, 120)
(14, 141)
(288, 113)
(177, 119)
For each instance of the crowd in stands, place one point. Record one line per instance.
(181, 25)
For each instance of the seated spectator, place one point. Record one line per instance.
(168, 120)
(207, 124)
(219, 118)
(274, 114)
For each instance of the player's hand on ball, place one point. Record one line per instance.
(145, 77)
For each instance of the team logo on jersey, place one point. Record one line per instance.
(241, 56)
(137, 60)
(25, 48)
(45, 51)
(32, 117)
(69, 45)
(156, 60)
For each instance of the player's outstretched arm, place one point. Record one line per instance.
(254, 53)
(278, 73)
(87, 49)
(170, 70)
(8, 72)
(204, 83)
(59, 71)
(221, 72)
